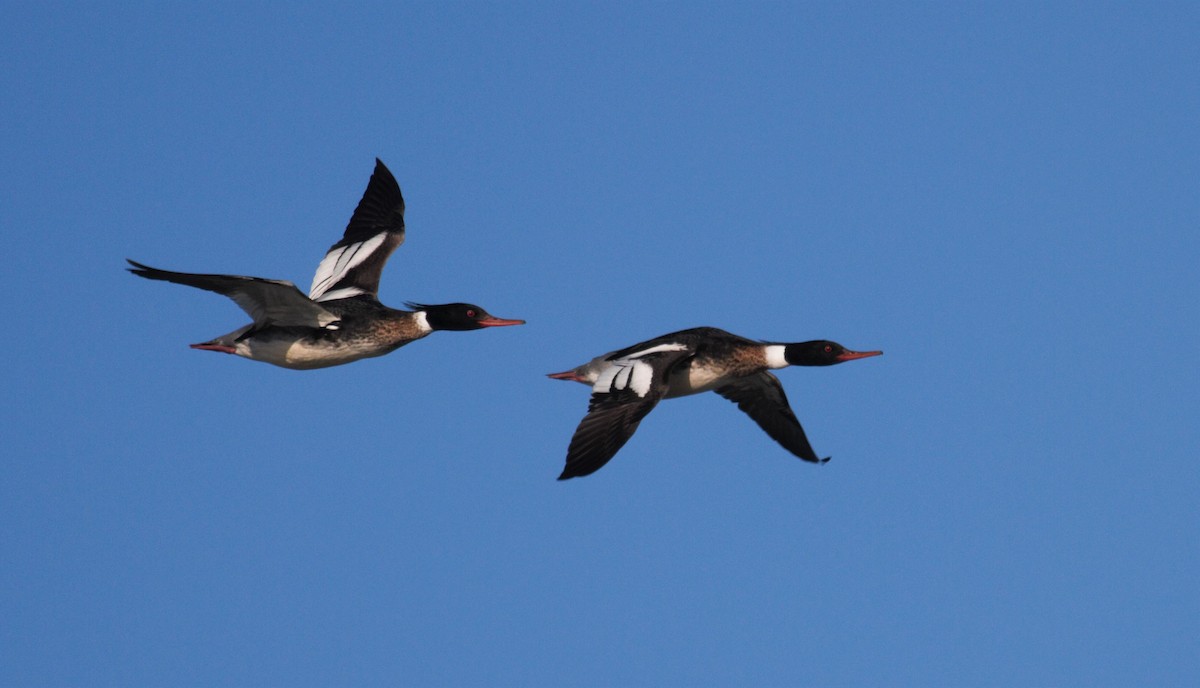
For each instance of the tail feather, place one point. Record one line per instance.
(571, 375)
(214, 345)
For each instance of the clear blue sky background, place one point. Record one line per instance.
(1005, 197)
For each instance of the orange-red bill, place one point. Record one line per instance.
(851, 355)
(498, 322)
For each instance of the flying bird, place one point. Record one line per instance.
(627, 384)
(341, 320)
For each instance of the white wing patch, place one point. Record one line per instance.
(625, 373)
(630, 373)
(337, 262)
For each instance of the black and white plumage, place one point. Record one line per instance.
(352, 266)
(341, 319)
(627, 384)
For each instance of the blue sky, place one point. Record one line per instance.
(1003, 197)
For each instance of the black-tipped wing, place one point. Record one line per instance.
(761, 397)
(267, 302)
(353, 265)
(627, 390)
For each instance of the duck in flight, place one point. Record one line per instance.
(627, 384)
(341, 320)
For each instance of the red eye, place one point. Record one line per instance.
(470, 313)
(828, 349)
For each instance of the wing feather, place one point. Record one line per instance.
(625, 391)
(353, 265)
(610, 421)
(267, 302)
(761, 397)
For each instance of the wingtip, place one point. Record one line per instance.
(381, 174)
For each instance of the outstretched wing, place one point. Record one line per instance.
(267, 302)
(352, 266)
(761, 397)
(625, 391)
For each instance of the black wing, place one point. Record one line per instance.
(274, 302)
(353, 265)
(621, 398)
(610, 422)
(761, 397)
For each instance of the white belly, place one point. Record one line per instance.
(302, 355)
(693, 380)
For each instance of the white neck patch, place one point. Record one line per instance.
(775, 357)
(422, 322)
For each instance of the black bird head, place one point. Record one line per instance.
(460, 316)
(822, 352)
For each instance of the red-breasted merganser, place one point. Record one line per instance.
(627, 384)
(341, 320)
